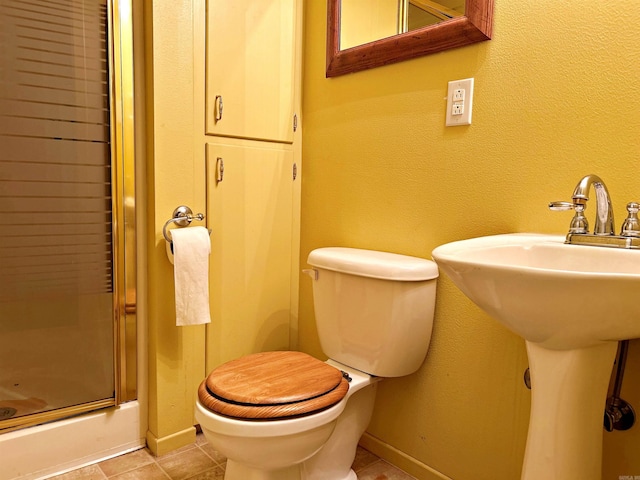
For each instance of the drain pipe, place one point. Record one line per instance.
(619, 414)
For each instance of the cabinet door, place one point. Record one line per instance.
(250, 214)
(250, 69)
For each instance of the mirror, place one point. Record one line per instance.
(364, 21)
(454, 27)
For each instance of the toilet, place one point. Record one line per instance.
(289, 416)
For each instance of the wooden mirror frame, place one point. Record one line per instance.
(475, 26)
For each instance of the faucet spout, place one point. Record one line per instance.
(604, 211)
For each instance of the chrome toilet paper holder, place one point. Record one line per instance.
(182, 217)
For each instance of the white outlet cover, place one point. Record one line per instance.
(464, 119)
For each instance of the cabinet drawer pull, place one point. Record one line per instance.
(218, 108)
(219, 170)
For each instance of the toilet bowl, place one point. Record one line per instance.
(289, 416)
(275, 449)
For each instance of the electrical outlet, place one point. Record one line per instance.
(458, 95)
(459, 102)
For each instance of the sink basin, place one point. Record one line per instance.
(557, 295)
(571, 304)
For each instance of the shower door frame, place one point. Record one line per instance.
(124, 310)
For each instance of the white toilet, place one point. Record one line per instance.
(289, 416)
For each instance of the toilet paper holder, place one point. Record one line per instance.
(182, 217)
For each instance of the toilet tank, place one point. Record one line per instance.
(374, 310)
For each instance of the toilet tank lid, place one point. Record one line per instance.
(374, 264)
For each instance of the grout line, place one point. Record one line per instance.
(213, 469)
(218, 464)
(162, 469)
(124, 471)
(102, 472)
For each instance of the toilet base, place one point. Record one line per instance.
(334, 460)
(237, 471)
(350, 476)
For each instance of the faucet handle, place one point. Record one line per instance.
(631, 225)
(579, 223)
(561, 206)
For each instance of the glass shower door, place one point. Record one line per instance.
(56, 271)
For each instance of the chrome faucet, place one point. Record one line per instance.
(604, 211)
(604, 230)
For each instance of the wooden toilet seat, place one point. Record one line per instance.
(272, 385)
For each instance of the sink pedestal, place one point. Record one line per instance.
(569, 390)
(571, 304)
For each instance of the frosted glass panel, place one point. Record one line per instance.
(56, 320)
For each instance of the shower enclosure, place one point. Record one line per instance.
(67, 219)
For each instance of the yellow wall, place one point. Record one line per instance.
(175, 176)
(554, 100)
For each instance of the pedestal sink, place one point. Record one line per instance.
(571, 304)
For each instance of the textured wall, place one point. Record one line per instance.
(175, 177)
(554, 100)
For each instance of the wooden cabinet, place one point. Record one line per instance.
(248, 52)
(250, 69)
(250, 210)
(252, 77)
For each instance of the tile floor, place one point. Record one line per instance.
(201, 462)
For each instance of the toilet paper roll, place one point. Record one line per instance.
(191, 249)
